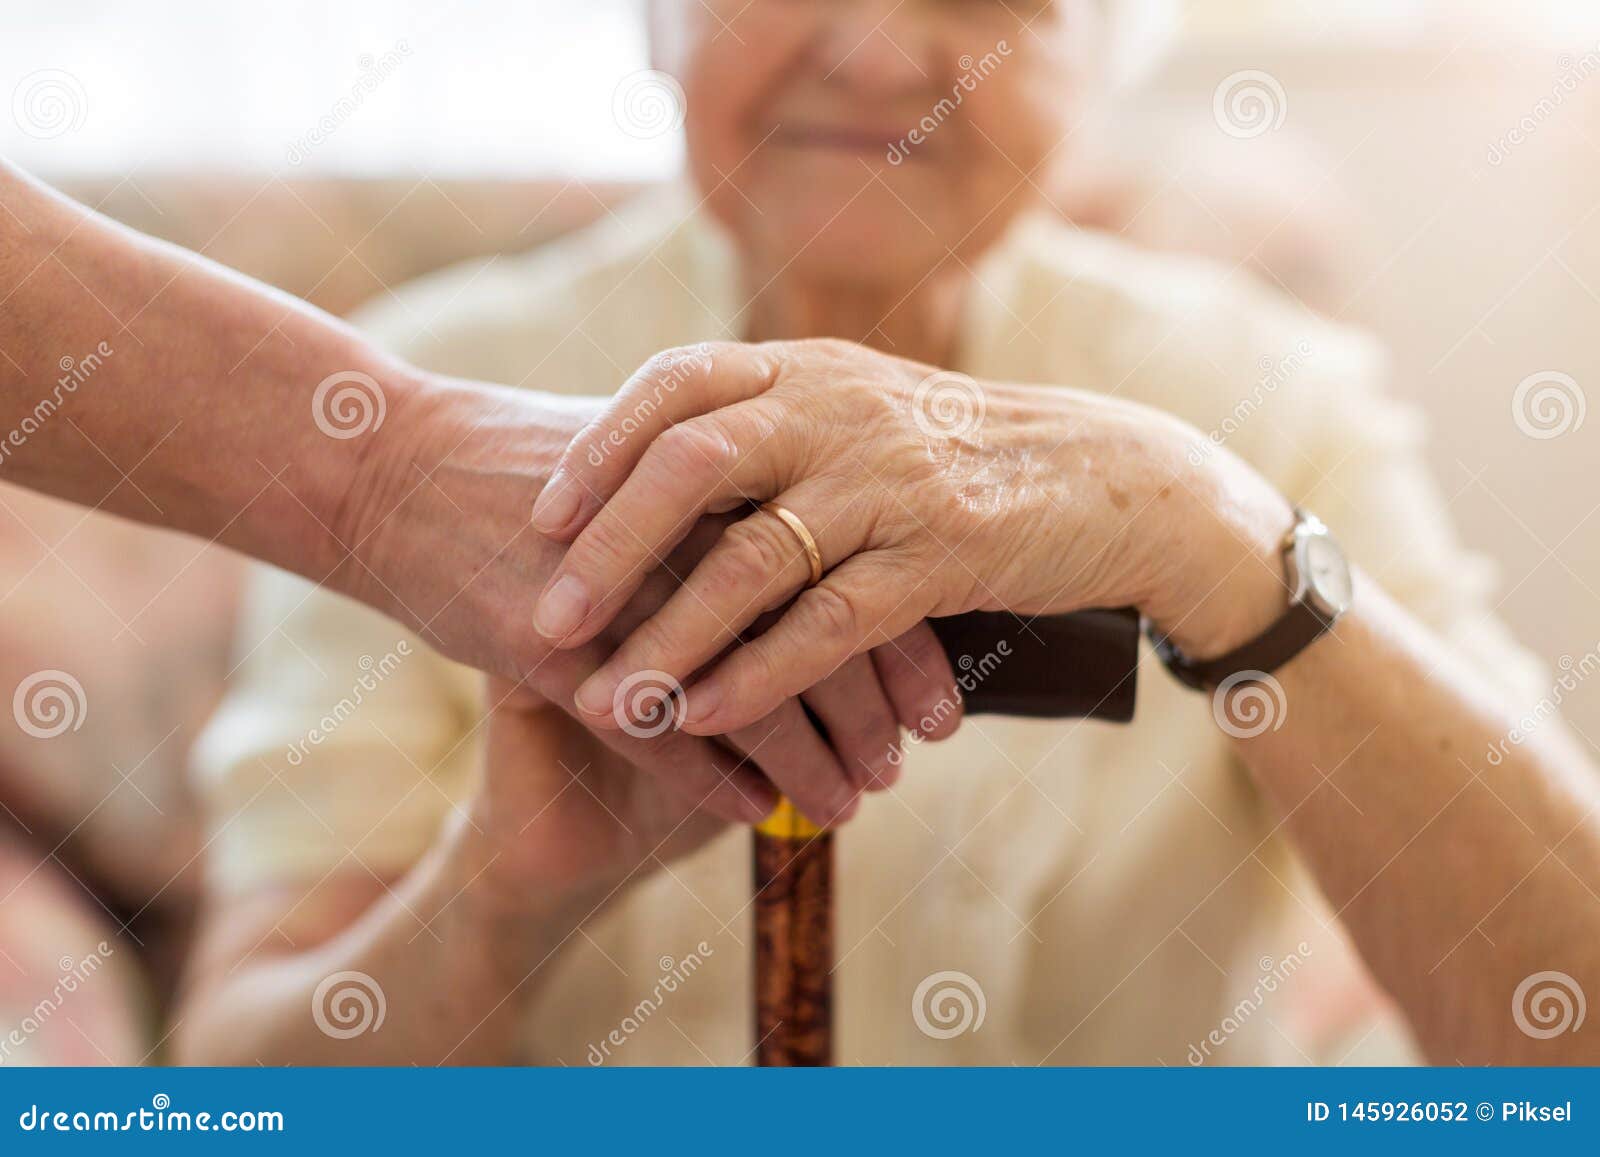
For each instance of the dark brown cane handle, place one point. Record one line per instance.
(1079, 666)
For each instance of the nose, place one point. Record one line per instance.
(877, 47)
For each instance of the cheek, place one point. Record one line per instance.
(1018, 118)
(727, 80)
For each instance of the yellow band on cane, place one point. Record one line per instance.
(787, 823)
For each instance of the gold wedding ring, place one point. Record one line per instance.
(792, 520)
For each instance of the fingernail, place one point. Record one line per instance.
(556, 506)
(701, 703)
(846, 811)
(561, 609)
(880, 770)
(594, 697)
(761, 808)
(933, 712)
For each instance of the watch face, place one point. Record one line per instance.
(1327, 574)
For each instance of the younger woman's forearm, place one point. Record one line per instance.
(449, 971)
(146, 381)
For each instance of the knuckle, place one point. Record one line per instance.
(834, 611)
(662, 641)
(921, 649)
(752, 554)
(758, 422)
(604, 548)
(696, 447)
(865, 740)
(777, 726)
(766, 668)
(671, 368)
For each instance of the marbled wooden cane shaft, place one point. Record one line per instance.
(794, 944)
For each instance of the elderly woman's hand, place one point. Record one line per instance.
(927, 494)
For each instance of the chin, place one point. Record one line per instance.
(826, 234)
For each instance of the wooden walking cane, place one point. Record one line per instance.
(794, 940)
(1082, 665)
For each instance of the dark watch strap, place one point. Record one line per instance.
(1298, 629)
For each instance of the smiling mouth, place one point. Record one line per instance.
(843, 140)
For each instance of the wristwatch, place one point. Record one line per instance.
(1319, 579)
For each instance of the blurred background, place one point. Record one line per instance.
(1427, 169)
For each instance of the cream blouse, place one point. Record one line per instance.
(1030, 892)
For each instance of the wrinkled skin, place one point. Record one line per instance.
(928, 494)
